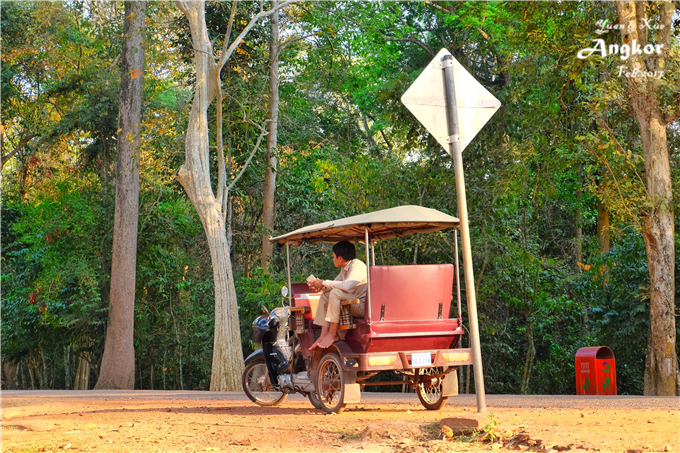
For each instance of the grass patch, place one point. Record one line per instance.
(30, 450)
(488, 434)
(351, 436)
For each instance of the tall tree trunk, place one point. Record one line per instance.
(118, 360)
(30, 373)
(82, 373)
(658, 226)
(67, 367)
(578, 234)
(194, 175)
(602, 211)
(77, 380)
(43, 374)
(10, 376)
(529, 360)
(269, 189)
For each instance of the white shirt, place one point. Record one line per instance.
(353, 274)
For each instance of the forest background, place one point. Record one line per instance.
(555, 181)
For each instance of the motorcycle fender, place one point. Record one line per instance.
(339, 347)
(256, 355)
(450, 384)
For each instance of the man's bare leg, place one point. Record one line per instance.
(324, 332)
(330, 337)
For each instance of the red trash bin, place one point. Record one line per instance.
(595, 371)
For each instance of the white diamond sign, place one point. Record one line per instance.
(426, 99)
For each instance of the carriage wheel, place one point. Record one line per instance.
(330, 384)
(430, 390)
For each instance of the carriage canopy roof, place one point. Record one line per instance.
(385, 224)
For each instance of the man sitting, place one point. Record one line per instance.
(350, 284)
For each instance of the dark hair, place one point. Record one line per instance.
(346, 250)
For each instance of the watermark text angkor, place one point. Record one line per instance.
(623, 50)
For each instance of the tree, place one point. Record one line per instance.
(269, 189)
(654, 113)
(118, 361)
(194, 176)
(271, 162)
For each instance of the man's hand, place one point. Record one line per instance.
(316, 285)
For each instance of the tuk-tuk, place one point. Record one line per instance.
(407, 326)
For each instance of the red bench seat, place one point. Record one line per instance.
(410, 309)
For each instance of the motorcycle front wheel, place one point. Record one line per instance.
(258, 387)
(314, 399)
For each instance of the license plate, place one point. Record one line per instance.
(421, 359)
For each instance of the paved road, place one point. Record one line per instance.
(19, 397)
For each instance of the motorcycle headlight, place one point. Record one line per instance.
(260, 326)
(257, 334)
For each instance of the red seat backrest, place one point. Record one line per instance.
(300, 288)
(411, 292)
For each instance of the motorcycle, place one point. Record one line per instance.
(278, 368)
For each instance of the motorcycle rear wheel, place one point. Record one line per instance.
(258, 388)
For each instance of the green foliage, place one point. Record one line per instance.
(615, 287)
(54, 274)
(256, 293)
(174, 306)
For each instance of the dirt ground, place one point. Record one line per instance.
(198, 425)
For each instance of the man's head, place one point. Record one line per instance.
(343, 252)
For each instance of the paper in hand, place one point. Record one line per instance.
(311, 278)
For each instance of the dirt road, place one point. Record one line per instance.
(146, 421)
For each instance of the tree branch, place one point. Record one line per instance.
(298, 38)
(227, 35)
(113, 64)
(225, 55)
(368, 129)
(438, 7)
(263, 132)
(23, 142)
(666, 11)
(669, 118)
(389, 144)
(618, 187)
(410, 39)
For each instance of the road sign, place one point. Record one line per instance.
(453, 107)
(426, 99)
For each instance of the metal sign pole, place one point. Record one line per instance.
(368, 278)
(460, 310)
(290, 287)
(457, 155)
